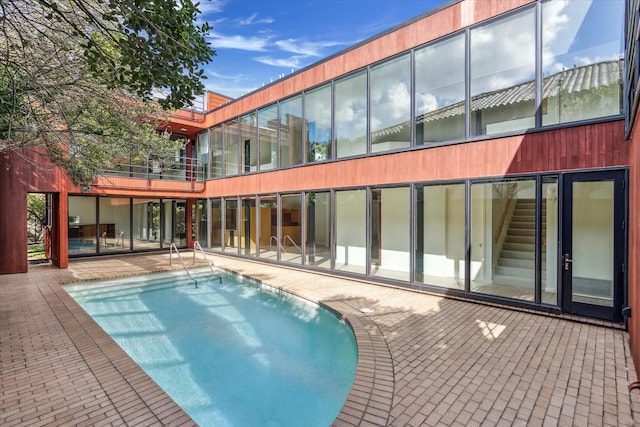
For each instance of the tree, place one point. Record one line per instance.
(76, 77)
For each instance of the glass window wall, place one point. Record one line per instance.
(440, 91)
(390, 233)
(217, 230)
(317, 114)
(269, 227)
(216, 168)
(503, 75)
(318, 236)
(503, 236)
(351, 231)
(247, 229)
(231, 231)
(146, 224)
(549, 253)
(291, 228)
(291, 146)
(231, 148)
(390, 95)
(582, 73)
(83, 233)
(249, 143)
(440, 235)
(268, 137)
(114, 227)
(203, 155)
(351, 115)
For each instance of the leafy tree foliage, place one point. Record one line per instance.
(76, 77)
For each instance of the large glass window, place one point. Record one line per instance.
(503, 236)
(217, 230)
(83, 234)
(249, 143)
(440, 91)
(549, 274)
(291, 146)
(217, 166)
(268, 137)
(199, 222)
(503, 75)
(351, 115)
(582, 59)
(318, 237)
(440, 235)
(317, 114)
(146, 223)
(390, 233)
(114, 227)
(202, 148)
(231, 231)
(351, 231)
(248, 230)
(231, 148)
(269, 227)
(391, 105)
(291, 228)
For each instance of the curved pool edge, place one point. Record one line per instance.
(371, 394)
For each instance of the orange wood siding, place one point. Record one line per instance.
(592, 146)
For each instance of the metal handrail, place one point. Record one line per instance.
(120, 240)
(292, 242)
(197, 246)
(171, 249)
(271, 240)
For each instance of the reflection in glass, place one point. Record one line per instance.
(592, 243)
(216, 224)
(291, 228)
(440, 109)
(231, 232)
(217, 166)
(390, 234)
(199, 222)
(351, 233)
(351, 115)
(231, 148)
(247, 230)
(82, 233)
(503, 236)
(391, 105)
(202, 149)
(146, 223)
(317, 114)
(249, 143)
(318, 237)
(291, 131)
(114, 224)
(269, 247)
(440, 235)
(549, 253)
(582, 73)
(503, 75)
(268, 137)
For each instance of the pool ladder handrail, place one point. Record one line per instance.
(198, 247)
(172, 248)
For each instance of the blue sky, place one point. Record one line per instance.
(256, 41)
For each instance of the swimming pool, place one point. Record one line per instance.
(233, 353)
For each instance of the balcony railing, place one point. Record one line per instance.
(150, 172)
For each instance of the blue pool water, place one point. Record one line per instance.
(232, 353)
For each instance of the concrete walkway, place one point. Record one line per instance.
(423, 360)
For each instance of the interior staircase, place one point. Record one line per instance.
(516, 263)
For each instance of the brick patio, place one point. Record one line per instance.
(423, 359)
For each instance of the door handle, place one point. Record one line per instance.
(567, 261)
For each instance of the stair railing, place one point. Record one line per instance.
(287, 237)
(172, 248)
(198, 247)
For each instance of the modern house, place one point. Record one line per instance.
(486, 150)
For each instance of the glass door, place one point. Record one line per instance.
(593, 249)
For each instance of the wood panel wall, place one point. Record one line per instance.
(593, 146)
(634, 245)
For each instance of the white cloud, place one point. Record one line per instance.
(427, 103)
(253, 19)
(305, 47)
(292, 62)
(254, 44)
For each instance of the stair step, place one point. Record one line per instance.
(521, 232)
(514, 272)
(520, 239)
(527, 247)
(503, 279)
(519, 263)
(520, 254)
